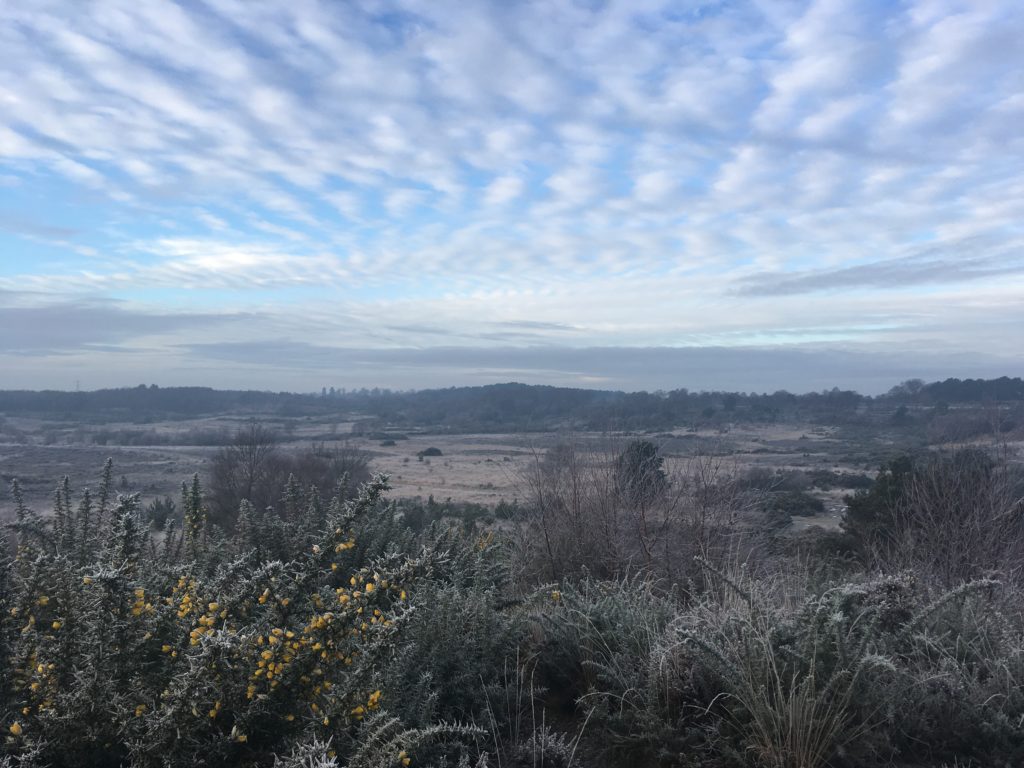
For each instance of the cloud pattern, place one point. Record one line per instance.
(407, 174)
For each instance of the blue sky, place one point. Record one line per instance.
(638, 194)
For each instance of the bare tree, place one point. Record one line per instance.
(961, 517)
(255, 468)
(608, 508)
(571, 519)
(242, 470)
(328, 466)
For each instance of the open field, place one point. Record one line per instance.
(154, 458)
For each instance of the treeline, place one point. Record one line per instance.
(508, 407)
(148, 403)
(950, 391)
(504, 407)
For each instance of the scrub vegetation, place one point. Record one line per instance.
(624, 610)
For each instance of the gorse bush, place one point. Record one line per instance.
(602, 646)
(195, 649)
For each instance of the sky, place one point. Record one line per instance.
(760, 195)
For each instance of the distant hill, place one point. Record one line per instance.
(500, 407)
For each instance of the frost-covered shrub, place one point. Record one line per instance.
(117, 648)
(607, 648)
(873, 671)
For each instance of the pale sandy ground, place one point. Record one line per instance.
(481, 468)
(476, 468)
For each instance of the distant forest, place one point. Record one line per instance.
(517, 407)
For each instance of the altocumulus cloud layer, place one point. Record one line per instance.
(749, 195)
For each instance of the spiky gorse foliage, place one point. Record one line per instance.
(116, 648)
(610, 646)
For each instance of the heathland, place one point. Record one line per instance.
(513, 576)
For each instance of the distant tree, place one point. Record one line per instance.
(639, 473)
(254, 468)
(871, 512)
(901, 417)
(908, 388)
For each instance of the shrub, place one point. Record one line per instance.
(160, 512)
(201, 650)
(328, 632)
(254, 467)
(954, 517)
(866, 672)
(577, 520)
(780, 506)
(602, 647)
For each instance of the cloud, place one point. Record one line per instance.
(950, 264)
(72, 326)
(654, 186)
(24, 225)
(401, 201)
(642, 174)
(202, 264)
(503, 189)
